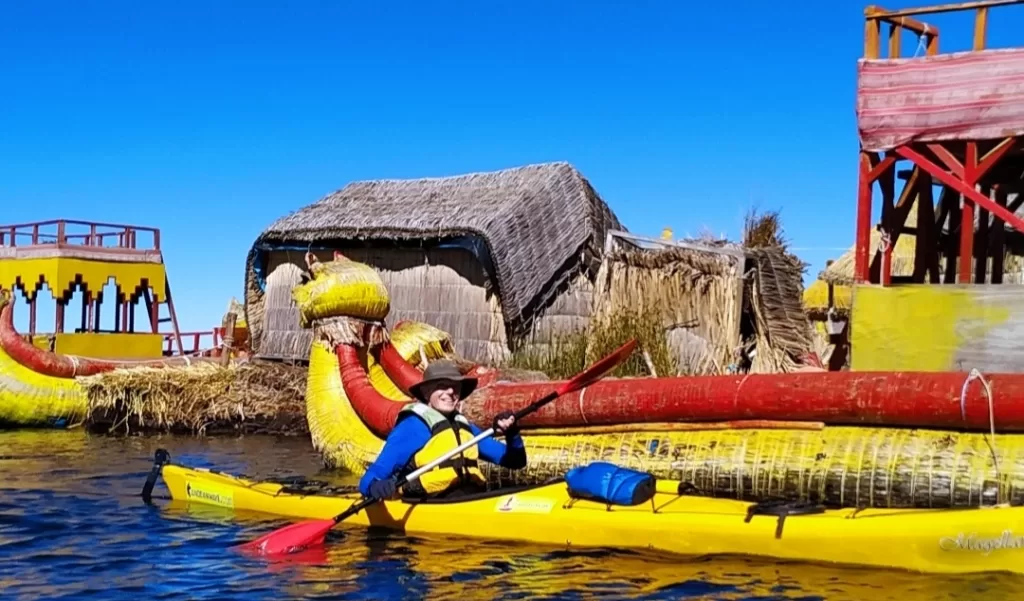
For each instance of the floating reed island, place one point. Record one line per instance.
(244, 397)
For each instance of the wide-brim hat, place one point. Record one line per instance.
(443, 370)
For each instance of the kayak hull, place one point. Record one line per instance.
(929, 540)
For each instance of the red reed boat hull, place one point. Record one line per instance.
(63, 366)
(903, 399)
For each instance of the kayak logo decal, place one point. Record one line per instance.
(210, 495)
(514, 504)
(982, 544)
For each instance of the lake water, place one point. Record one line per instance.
(72, 526)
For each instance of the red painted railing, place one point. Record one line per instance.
(68, 232)
(195, 338)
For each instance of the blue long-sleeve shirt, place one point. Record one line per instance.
(410, 435)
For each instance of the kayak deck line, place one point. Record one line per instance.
(947, 541)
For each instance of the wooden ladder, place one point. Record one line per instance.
(172, 315)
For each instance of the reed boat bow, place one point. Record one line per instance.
(39, 387)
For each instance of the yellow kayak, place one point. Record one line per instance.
(926, 540)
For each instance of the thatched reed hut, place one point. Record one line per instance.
(490, 258)
(724, 307)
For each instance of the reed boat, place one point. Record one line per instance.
(105, 265)
(40, 387)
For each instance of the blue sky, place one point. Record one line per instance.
(210, 120)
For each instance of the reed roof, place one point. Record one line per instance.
(816, 297)
(539, 222)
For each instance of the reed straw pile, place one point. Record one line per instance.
(205, 398)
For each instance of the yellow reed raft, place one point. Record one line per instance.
(28, 398)
(860, 467)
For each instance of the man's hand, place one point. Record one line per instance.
(383, 489)
(505, 423)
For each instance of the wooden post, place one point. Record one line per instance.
(32, 314)
(228, 323)
(861, 263)
(58, 327)
(997, 239)
(85, 310)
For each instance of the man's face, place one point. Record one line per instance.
(444, 396)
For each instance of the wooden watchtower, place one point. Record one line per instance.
(941, 140)
(949, 121)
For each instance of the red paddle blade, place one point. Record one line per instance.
(291, 538)
(598, 370)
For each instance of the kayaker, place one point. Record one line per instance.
(432, 426)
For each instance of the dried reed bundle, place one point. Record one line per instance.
(200, 399)
(700, 292)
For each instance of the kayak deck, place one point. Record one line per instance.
(928, 540)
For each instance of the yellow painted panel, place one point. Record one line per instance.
(42, 341)
(925, 327)
(111, 346)
(60, 273)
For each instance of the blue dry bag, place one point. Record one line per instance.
(609, 483)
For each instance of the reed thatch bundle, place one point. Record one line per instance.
(200, 399)
(447, 288)
(782, 332)
(278, 327)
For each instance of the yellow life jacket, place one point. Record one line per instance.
(445, 435)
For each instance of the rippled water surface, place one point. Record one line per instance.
(72, 526)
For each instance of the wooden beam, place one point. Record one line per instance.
(895, 33)
(861, 266)
(948, 158)
(877, 12)
(877, 15)
(981, 247)
(872, 33)
(990, 158)
(926, 257)
(949, 200)
(880, 166)
(967, 214)
(997, 239)
(980, 28)
(959, 186)
(894, 217)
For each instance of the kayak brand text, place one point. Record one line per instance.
(214, 497)
(985, 545)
